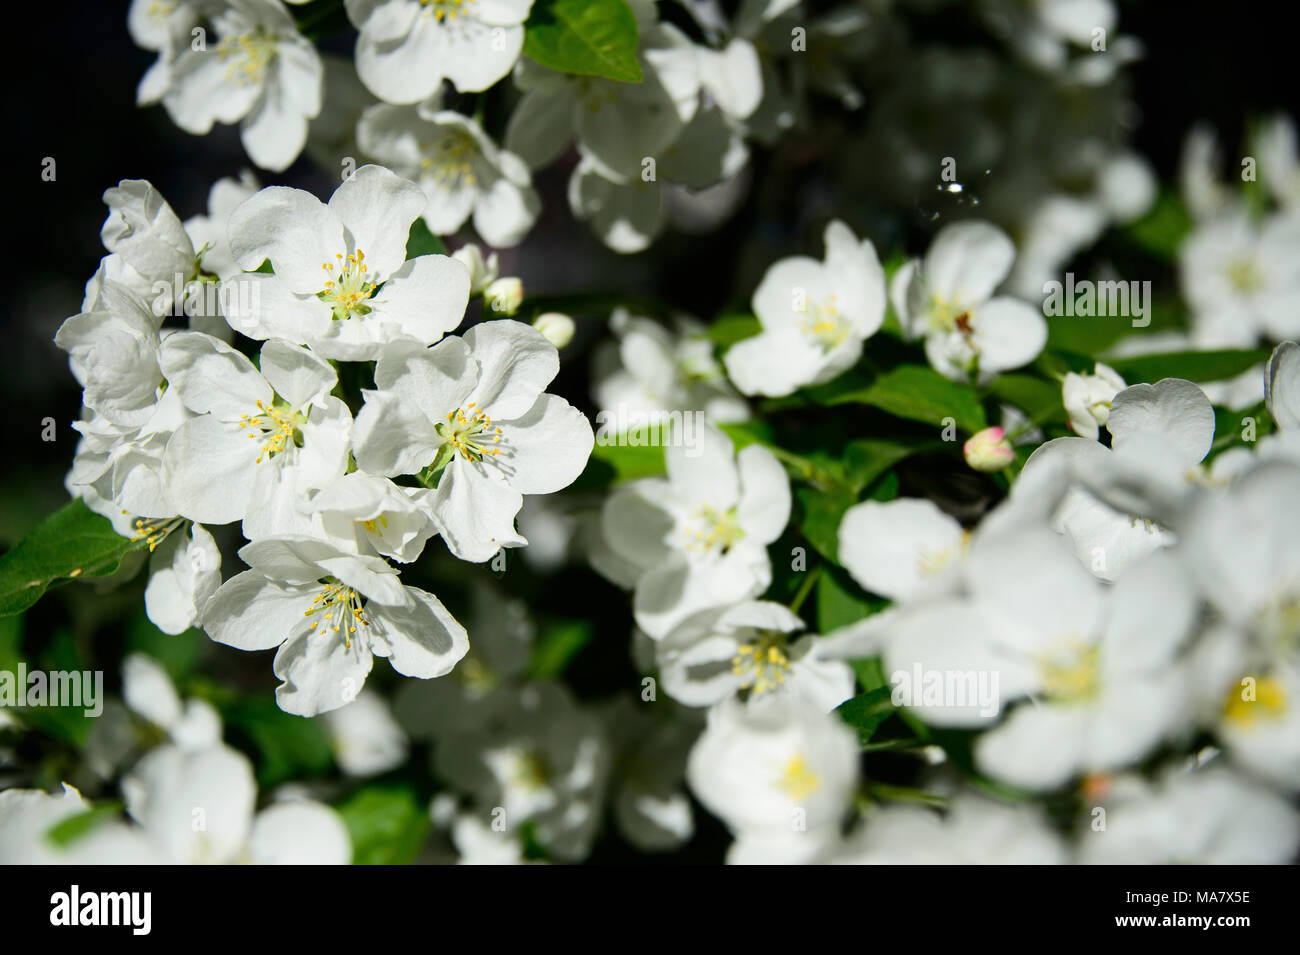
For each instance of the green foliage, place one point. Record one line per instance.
(388, 825)
(1193, 365)
(915, 392)
(420, 241)
(866, 711)
(556, 647)
(585, 37)
(67, 831)
(284, 746)
(72, 542)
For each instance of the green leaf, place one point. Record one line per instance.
(866, 460)
(745, 433)
(388, 825)
(822, 513)
(1039, 399)
(420, 241)
(840, 602)
(917, 393)
(287, 746)
(729, 329)
(558, 644)
(627, 460)
(586, 37)
(866, 711)
(1192, 365)
(72, 542)
(69, 830)
(1161, 231)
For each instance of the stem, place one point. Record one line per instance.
(805, 588)
(906, 794)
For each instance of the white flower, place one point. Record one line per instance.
(407, 48)
(974, 831)
(330, 613)
(197, 807)
(650, 371)
(698, 538)
(261, 439)
(1207, 817)
(209, 232)
(779, 775)
(113, 353)
(948, 299)
(616, 125)
(461, 171)
(751, 646)
(481, 273)
(162, 28)
(1242, 280)
(184, 571)
(815, 316)
(342, 283)
(538, 758)
(479, 844)
(649, 799)
(261, 73)
(556, 327)
(1116, 502)
(149, 692)
(471, 417)
(1279, 162)
(28, 815)
(1087, 399)
(371, 515)
(367, 740)
(1098, 665)
(903, 549)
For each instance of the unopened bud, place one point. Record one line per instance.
(504, 295)
(556, 326)
(989, 450)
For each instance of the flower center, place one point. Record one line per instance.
(154, 530)
(467, 431)
(450, 159)
(340, 609)
(761, 665)
(446, 9)
(1279, 623)
(278, 426)
(1268, 703)
(1244, 276)
(945, 316)
(798, 781)
(249, 55)
(713, 530)
(823, 321)
(526, 768)
(347, 289)
(1072, 674)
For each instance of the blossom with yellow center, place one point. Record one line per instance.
(154, 530)
(341, 608)
(467, 431)
(763, 664)
(249, 55)
(1071, 674)
(450, 159)
(277, 424)
(446, 9)
(713, 530)
(798, 781)
(824, 323)
(348, 290)
(1268, 703)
